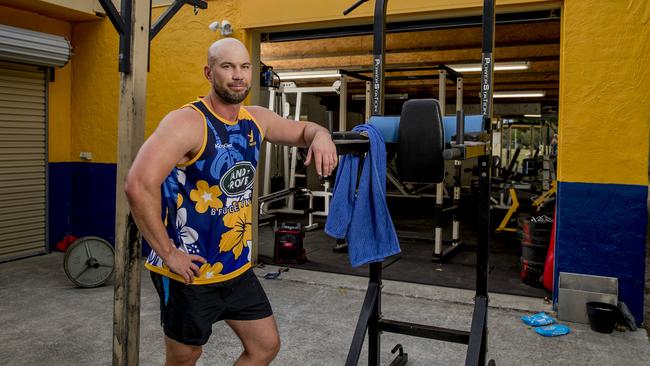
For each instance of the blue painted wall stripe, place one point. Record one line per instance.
(81, 200)
(601, 230)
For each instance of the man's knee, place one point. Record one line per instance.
(181, 354)
(265, 352)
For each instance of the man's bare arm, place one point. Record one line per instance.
(179, 135)
(282, 131)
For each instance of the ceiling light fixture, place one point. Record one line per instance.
(533, 115)
(498, 66)
(318, 74)
(520, 94)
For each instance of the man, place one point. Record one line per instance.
(204, 157)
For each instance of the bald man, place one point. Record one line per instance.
(200, 163)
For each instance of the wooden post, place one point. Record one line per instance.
(128, 246)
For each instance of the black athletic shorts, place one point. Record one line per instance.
(187, 312)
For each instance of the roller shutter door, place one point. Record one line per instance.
(23, 161)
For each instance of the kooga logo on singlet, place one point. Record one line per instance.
(238, 179)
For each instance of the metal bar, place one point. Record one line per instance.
(484, 194)
(483, 247)
(449, 252)
(124, 61)
(165, 17)
(487, 62)
(266, 189)
(379, 55)
(113, 15)
(451, 74)
(460, 127)
(514, 205)
(343, 103)
(442, 91)
(310, 89)
(353, 6)
(477, 338)
(362, 324)
(459, 94)
(368, 106)
(374, 336)
(294, 151)
(424, 331)
(356, 75)
(437, 245)
(455, 235)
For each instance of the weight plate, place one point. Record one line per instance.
(89, 261)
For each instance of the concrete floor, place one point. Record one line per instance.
(46, 320)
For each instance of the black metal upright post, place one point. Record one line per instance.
(378, 66)
(374, 336)
(485, 167)
(378, 57)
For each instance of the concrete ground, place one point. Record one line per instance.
(46, 320)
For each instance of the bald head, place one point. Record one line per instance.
(227, 48)
(229, 70)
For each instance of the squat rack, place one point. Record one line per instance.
(370, 319)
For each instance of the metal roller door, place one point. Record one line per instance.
(23, 158)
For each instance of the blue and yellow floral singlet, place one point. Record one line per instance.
(207, 202)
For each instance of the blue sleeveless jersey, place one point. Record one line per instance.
(207, 202)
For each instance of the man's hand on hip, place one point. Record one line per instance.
(183, 264)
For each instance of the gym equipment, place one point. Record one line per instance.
(514, 205)
(418, 132)
(278, 103)
(288, 247)
(370, 319)
(266, 213)
(88, 262)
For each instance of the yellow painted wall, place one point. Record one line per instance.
(95, 91)
(604, 97)
(604, 92)
(59, 91)
(178, 54)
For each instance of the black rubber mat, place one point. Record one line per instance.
(414, 263)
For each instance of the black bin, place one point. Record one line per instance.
(602, 316)
(534, 232)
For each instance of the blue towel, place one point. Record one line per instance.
(363, 218)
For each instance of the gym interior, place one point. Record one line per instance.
(568, 148)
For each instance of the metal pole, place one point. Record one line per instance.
(485, 166)
(442, 90)
(459, 94)
(343, 103)
(437, 244)
(374, 336)
(294, 152)
(368, 100)
(268, 148)
(378, 52)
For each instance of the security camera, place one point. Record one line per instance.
(226, 28)
(214, 26)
